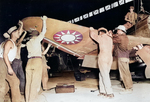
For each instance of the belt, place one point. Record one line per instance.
(35, 57)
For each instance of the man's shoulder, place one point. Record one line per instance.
(135, 13)
(33, 41)
(10, 42)
(128, 13)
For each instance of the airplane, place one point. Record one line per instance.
(74, 40)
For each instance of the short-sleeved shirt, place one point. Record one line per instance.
(34, 46)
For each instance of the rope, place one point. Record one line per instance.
(137, 15)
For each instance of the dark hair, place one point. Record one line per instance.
(104, 31)
(132, 7)
(33, 33)
(115, 31)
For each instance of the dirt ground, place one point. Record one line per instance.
(83, 91)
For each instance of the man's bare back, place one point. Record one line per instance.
(104, 38)
(105, 42)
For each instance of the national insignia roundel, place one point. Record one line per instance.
(68, 37)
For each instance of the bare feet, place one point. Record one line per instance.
(102, 94)
(106, 95)
(110, 96)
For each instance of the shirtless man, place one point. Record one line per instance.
(104, 39)
(131, 18)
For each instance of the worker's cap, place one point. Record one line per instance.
(121, 27)
(9, 32)
(6, 35)
(12, 29)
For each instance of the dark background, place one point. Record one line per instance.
(13, 10)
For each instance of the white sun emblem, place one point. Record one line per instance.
(68, 37)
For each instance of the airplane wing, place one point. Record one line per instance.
(135, 40)
(71, 38)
